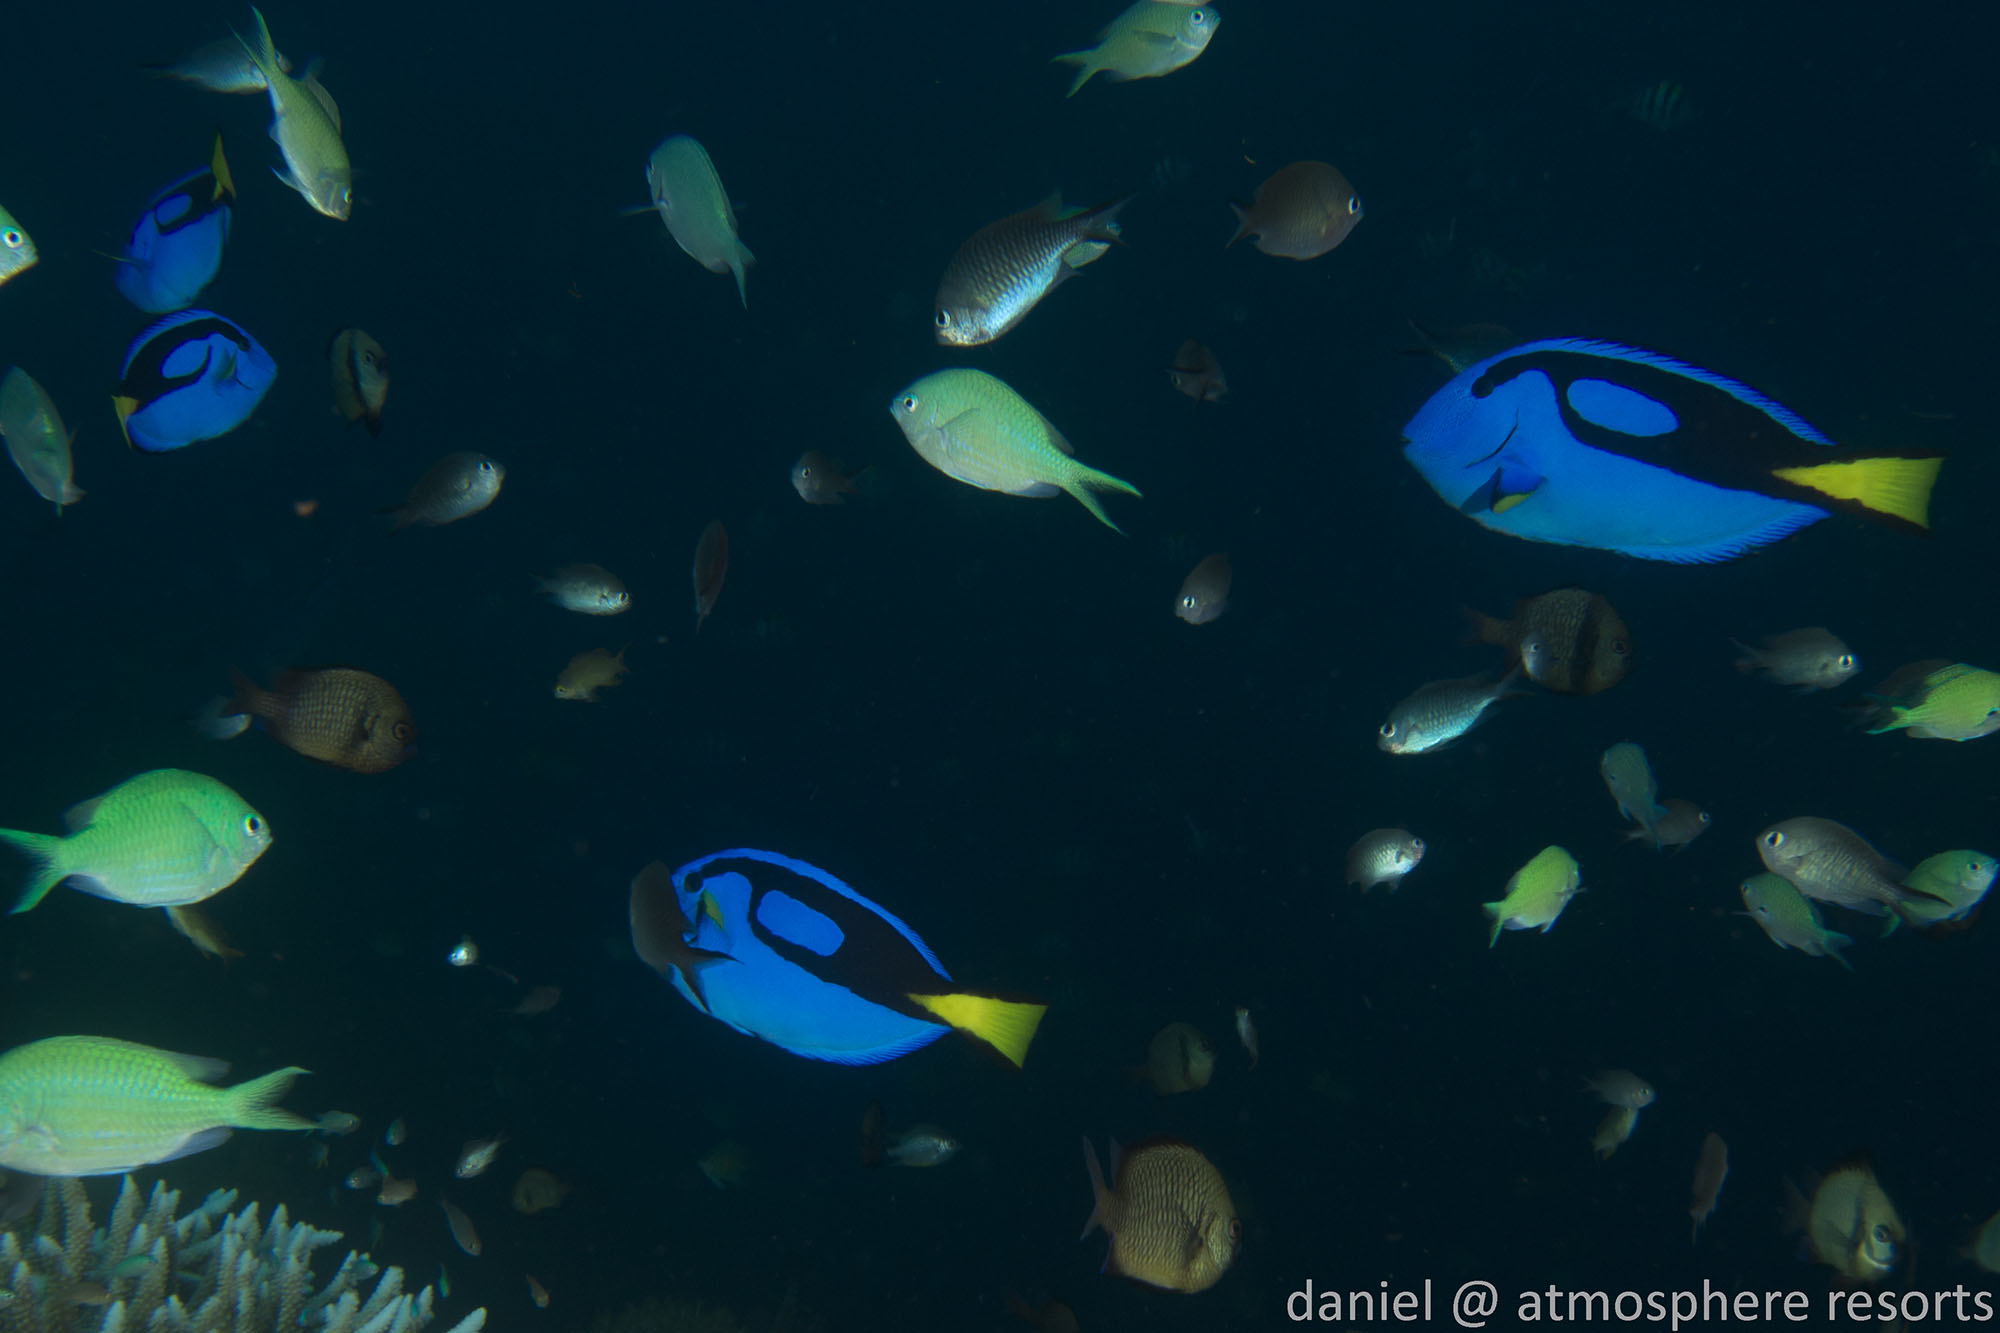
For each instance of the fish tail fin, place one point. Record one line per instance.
(45, 864)
(1482, 628)
(1084, 480)
(1499, 916)
(1836, 946)
(1890, 487)
(244, 696)
(1005, 1025)
(1243, 227)
(1086, 67)
(252, 1105)
(1099, 1195)
(218, 167)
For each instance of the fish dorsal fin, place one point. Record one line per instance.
(318, 90)
(200, 1068)
(218, 167)
(1057, 438)
(1050, 209)
(80, 814)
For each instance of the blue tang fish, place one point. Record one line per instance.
(192, 376)
(176, 245)
(1585, 443)
(781, 950)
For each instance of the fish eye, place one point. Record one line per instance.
(1236, 1228)
(1774, 839)
(401, 731)
(1353, 204)
(1620, 647)
(1387, 730)
(1417, 846)
(944, 319)
(1846, 662)
(1189, 602)
(485, 465)
(909, 402)
(252, 825)
(1705, 816)
(12, 238)
(1198, 17)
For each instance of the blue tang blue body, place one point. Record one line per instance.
(783, 951)
(1586, 443)
(192, 376)
(176, 245)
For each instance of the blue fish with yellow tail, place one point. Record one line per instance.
(1584, 443)
(192, 376)
(783, 951)
(176, 245)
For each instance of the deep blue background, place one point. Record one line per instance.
(978, 709)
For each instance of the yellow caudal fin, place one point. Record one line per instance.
(218, 167)
(1005, 1025)
(251, 1104)
(1894, 487)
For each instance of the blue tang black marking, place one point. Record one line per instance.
(176, 245)
(783, 951)
(1587, 443)
(192, 376)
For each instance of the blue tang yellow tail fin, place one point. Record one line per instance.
(1005, 1025)
(1892, 487)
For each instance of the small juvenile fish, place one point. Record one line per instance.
(395, 1193)
(1180, 1058)
(1621, 1087)
(1790, 919)
(711, 566)
(922, 1145)
(36, 440)
(463, 954)
(17, 248)
(1536, 894)
(360, 378)
(397, 1131)
(306, 125)
(1710, 1170)
(1613, 1130)
(1196, 373)
(362, 1178)
(1204, 594)
(1301, 212)
(351, 719)
(819, 480)
(537, 1293)
(1630, 780)
(590, 590)
(1151, 38)
(462, 1230)
(1383, 856)
(1683, 822)
(1246, 1032)
(457, 486)
(537, 1189)
(1004, 269)
(1812, 659)
(1439, 713)
(696, 209)
(477, 1155)
(336, 1124)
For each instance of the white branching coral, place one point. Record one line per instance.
(147, 1270)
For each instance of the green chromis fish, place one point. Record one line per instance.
(1952, 702)
(162, 839)
(975, 429)
(1151, 38)
(1790, 919)
(696, 209)
(36, 440)
(1439, 713)
(306, 125)
(1630, 780)
(1005, 268)
(97, 1106)
(1956, 881)
(1536, 895)
(17, 248)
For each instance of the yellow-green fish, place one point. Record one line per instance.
(1790, 919)
(1957, 880)
(1168, 1213)
(17, 248)
(97, 1106)
(1151, 38)
(975, 429)
(306, 125)
(1630, 780)
(162, 839)
(1613, 1130)
(1536, 895)
(1955, 702)
(1853, 1227)
(36, 439)
(696, 209)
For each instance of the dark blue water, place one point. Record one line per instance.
(980, 710)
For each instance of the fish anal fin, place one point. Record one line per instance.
(1891, 487)
(1005, 1025)
(194, 1143)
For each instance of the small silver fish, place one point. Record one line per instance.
(922, 1145)
(1833, 863)
(477, 1155)
(336, 1124)
(462, 1230)
(1005, 268)
(457, 486)
(590, 590)
(1811, 659)
(216, 722)
(1622, 1087)
(362, 1178)
(397, 1131)
(1439, 713)
(819, 480)
(1204, 594)
(1383, 856)
(1246, 1032)
(1680, 824)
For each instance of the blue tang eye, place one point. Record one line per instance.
(1618, 408)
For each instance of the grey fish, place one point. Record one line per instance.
(1812, 659)
(17, 248)
(1833, 863)
(1383, 856)
(1006, 267)
(1204, 594)
(1679, 824)
(1439, 713)
(457, 486)
(590, 590)
(922, 1145)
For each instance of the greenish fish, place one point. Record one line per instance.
(1151, 38)
(975, 429)
(1536, 895)
(17, 248)
(162, 839)
(1006, 267)
(36, 440)
(97, 1106)
(1953, 702)
(306, 125)
(1790, 919)
(1630, 780)
(696, 209)
(1438, 713)
(1956, 880)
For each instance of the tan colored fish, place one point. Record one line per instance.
(976, 429)
(537, 1293)
(1811, 659)
(477, 1155)
(462, 1231)
(1204, 594)
(587, 673)
(1301, 212)
(1180, 1058)
(1852, 1226)
(1168, 1213)
(1151, 38)
(350, 719)
(395, 1193)
(1571, 641)
(1613, 1130)
(1438, 713)
(456, 486)
(537, 1189)
(1004, 269)
(1683, 822)
(1710, 1170)
(360, 378)
(1196, 373)
(1383, 856)
(306, 125)
(1629, 778)
(1621, 1087)
(696, 208)
(36, 440)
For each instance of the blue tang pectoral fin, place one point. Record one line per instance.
(1508, 486)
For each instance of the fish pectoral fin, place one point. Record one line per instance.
(1507, 487)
